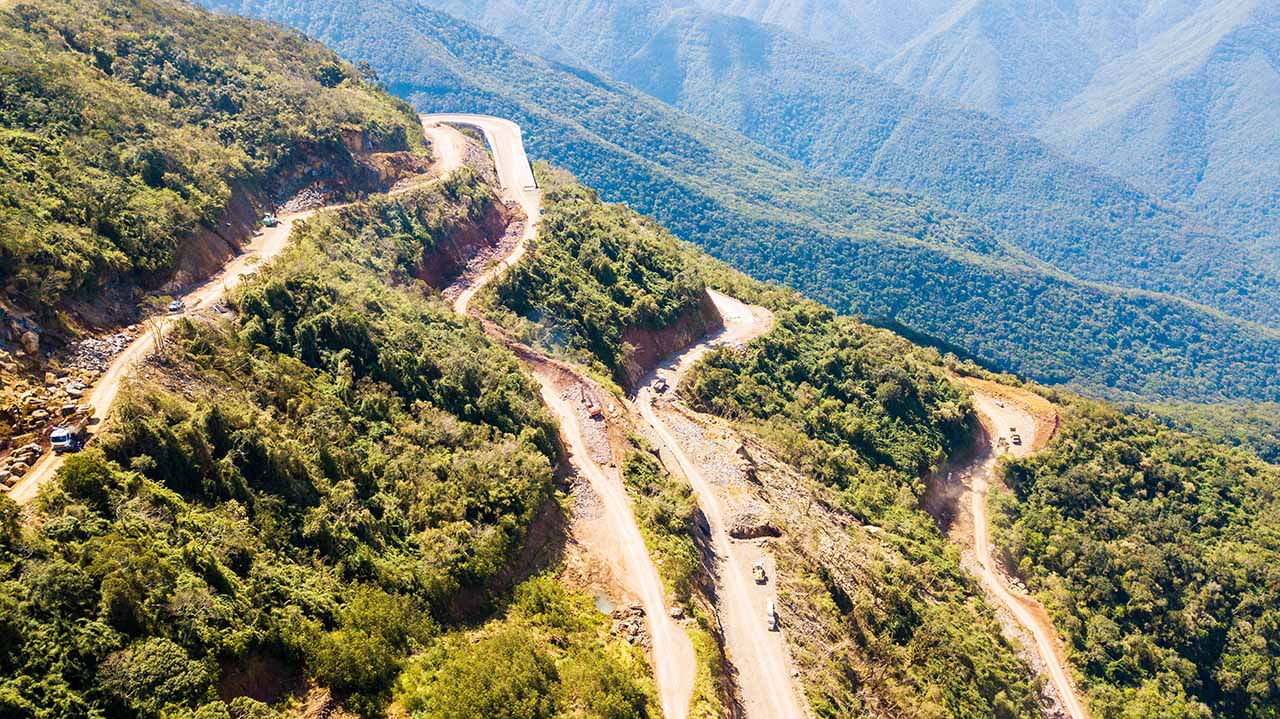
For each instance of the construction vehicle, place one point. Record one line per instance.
(67, 438)
(771, 617)
(594, 410)
(757, 572)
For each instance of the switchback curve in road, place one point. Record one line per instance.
(759, 656)
(673, 657)
(999, 415)
(515, 175)
(260, 250)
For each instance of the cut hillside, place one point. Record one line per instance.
(605, 283)
(140, 143)
(908, 418)
(893, 258)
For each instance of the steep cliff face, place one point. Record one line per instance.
(648, 347)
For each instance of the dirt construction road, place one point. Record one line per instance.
(447, 144)
(673, 657)
(999, 417)
(759, 656)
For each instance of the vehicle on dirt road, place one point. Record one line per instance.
(660, 385)
(1017, 439)
(270, 220)
(757, 572)
(67, 438)
(771, 617)
(176, 306)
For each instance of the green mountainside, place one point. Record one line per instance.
(840, 119)
(1158, 556)
(339, 498)
(125, 141)
(313, 492)
(1254, 426)
(889, 415)
(896, 259)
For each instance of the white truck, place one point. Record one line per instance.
(67, 438)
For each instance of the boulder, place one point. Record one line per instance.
(20, 469)
(30, 342)
(749, 525)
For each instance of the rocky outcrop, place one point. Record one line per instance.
(651, 346)
(629, 623)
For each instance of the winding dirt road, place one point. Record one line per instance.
(673, 657)
(447, 146)
(759, 656)
(999, 417)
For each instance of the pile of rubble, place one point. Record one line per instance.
(628, 623)
(94, 354)
(35, 409)
(18, 463)
(309, 198)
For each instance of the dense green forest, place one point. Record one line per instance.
(125, 127)
(1158, 555)
(595, 270)
(895, 259)
(312, 492)
(1250, 425)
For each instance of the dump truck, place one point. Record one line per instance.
(67, 438)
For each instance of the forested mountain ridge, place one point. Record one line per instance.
(892, 258)
(817, 106)
(319, 496)
(1178, 98)
(917, 638)
(128, 155)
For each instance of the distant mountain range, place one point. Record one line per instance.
(956, 279)
(1181, 98)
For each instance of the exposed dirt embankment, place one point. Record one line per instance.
(467, 244)
(651, 346)
(319, 174)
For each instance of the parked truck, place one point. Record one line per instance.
(757, 572)
(67, 438)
